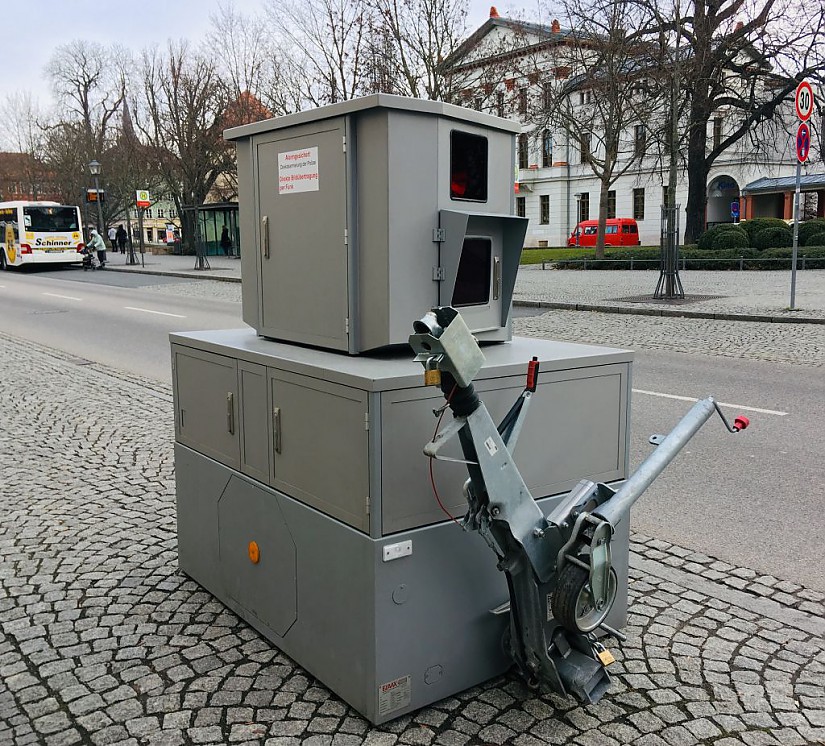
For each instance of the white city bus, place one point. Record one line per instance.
(39, 233)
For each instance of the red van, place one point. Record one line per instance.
(617, 232)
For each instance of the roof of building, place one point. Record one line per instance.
(808, 182)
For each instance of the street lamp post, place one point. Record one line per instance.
(94, 168)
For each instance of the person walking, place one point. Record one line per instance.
(96, 243)
(121, 238)
(113, 237)
(226, 242)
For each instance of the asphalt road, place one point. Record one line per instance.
(751, 499)
(108, 317)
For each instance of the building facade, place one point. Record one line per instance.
(507, 67)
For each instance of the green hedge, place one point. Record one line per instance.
(714, 238)
(813, 239)
(698, 259)
(755, 225)
(809, 228)
(772, 238)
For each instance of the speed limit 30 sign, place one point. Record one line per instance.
(804, 101)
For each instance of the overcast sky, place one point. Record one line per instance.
(34, 28)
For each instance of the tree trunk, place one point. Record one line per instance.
(605, 184)
(187, 224)
(697, 169)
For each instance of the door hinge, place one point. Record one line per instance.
(346, 237)
(346, 325)
(439, 235)
(366, 421)
(344, 142)
(439, 275)
(368, 504)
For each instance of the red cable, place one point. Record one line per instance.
(432, 478)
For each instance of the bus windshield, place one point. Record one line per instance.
(48, 219)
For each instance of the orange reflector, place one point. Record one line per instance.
(432, 377)
(254, 552)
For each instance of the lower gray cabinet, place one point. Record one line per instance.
(351, 448)
(320, 445)
(206, 403)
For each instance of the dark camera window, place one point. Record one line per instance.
(468, 166)
(472, 284)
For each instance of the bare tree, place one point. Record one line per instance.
(21, 129)
(605, 106)
(327, 40)
(252, 64)
(417, 36)
(90, 83)
(740, 61)
(182, 117)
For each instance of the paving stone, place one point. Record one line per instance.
(103, 640)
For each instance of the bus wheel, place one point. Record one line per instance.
(3, 263)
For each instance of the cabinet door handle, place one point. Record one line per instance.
(230, 412)
(276, 428)
(496, 278)
(265, 232)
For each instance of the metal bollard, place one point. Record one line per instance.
(741, 263)
(803, 261)
(631, 262)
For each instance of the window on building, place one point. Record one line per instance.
(611, 203)
(148, 213)
(522, 100)
(544, 209)
(547, 95)
(717, 132)
(639, 204)
(521, 207)
(477, 101)
(523, 145)
(546, 149)
(161, 213)
(665, 195)
(584, 207)
(149, 235)
(584, 146)
(500, 103)
(639, 141)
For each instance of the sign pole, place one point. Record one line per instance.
(804, 105)
(795, 235)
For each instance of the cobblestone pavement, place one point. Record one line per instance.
(746, 293)
(801, 344)
(103, 641)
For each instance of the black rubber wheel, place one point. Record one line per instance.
(572, 603)
(3, 263)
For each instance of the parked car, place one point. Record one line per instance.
(617, 232)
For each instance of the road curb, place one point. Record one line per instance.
(766, 318)
(162, 273)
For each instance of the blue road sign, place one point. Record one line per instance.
(803, 142)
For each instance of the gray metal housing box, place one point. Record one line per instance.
(356, 216)
(317, 457)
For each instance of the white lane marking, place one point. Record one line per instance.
(65, 297)
(721, 403)
(159, 313)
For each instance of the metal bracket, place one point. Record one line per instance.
(439, 274)
(656, 439)
(439, 235)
